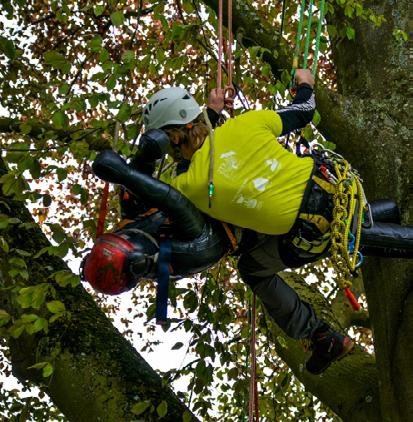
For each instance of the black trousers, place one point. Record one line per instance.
(258, 265)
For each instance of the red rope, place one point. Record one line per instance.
(229, 88)
(220, 43)
(253, 404)
(352, 299)
(103, 210)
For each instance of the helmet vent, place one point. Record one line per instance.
(186, 97)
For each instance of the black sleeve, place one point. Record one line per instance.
(213, 117)
(300, 112)
(131, 206)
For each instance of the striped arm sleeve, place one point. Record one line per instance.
(300, 112)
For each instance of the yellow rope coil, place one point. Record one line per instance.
(348, 191)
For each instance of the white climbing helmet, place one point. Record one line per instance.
(170, 106)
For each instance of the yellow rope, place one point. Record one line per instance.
(348, 191)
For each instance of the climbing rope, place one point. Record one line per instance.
(253, 409)
(307, 37)
(230, 93)
(229, 88)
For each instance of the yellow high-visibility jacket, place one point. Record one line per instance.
(258, 184)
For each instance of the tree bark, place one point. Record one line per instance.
(98, 375)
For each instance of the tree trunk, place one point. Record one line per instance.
(368, 121)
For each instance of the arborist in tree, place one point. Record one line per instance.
(255, 185)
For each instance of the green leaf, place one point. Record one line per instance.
(14, 261)
(131, 131)
(99, 9)
(35, 168)
(80, 149)
(55, 306)
(5, 221)
(60, 120)
(282, 342)
(349, 10)
(4, 245)
(111, 83)
(332, 31)
(95, 43)
(316, 118)
(40, 324)
(104, 55)
(350, 33)
(233, 373)
(77, 189)
(59, 234)
(56, 60)
(162, 409)
(128, 56)
(47, 200)
(12, 184)
(117, 18)
(186, 416)
(191, 301)
(21, 252)
(33, 296)
(25, 128)
(16, 331)
(308, 133)
(7, 47)
(141, 407)
(4, 317)
(65, 278)
(38, 365)
(61, 174)
(177, 346)
(64, 89)
(47, 370)
(124, 113)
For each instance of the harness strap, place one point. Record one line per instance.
(162, 289)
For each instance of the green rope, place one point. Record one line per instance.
(307, 36)
(297, 45)
(317, 46)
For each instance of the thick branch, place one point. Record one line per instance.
(98, 375)
(350, 386)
